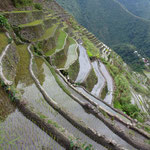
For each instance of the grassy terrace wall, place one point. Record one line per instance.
(32, 30)
(23, 17)
(47, 126)
(49, 21)
(74, 70)
(90, 81)
(3, 41)
(10, 62)
(60, 58)
(48, 41)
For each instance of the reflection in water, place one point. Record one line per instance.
(101, 80)
(55, 116)
(85, 66)
(55, 92)
(20, 133)
(109, 97)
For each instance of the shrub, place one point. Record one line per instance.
(4, 22)
(38, 6)
(21, 3)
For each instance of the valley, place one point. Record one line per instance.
(62, 88)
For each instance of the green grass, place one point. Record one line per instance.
(23, 74)
(72, 41)
(61, 39)
(92, 51)
(60, 42)
(57, 79)
(60, 57)
(38, 71)
(90, 81)
(104, 92)
(3, 41)
(48, 33)
(23, 11)
(147, 74)
(74, 70)
(50, 52)
(34, 23)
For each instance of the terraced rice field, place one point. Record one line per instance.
(51, 97)
(110, 85)
(20, 133)
(85, 65)
(67, 102)
(17, 132)
(61, 42)
(48, 33)
(3, 41)
(96, 91)
(72, 55)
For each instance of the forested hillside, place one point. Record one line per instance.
(139, 8)
(112, 24)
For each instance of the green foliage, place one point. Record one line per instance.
(38, 6)
(3, 41)
(57, 79)
(137, 7)
(10, 40)
(147, 128)
(104, 92)
(90, 81)
(122, 94)
(126, 51)
(22, 3)
(4, 22)
(122, 98)
(113, 25)
(92, 51)
(74, 70)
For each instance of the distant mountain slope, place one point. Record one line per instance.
(111, 23)
(139, 8)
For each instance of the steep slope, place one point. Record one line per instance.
(54, 103)
(137, 7)
(113, 24)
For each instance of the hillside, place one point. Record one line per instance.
(137, 7)
(62, 88)
(113, 25)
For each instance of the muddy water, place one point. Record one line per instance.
(94, 99)
(80, 97)
(50, 113)
(103, 105)
(85, 66)
(20, 134)
(101, 80)
(35, 101)
(17, 132)
(55, 92)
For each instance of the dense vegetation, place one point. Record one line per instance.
(126, 51)
(20, 3)
(4, 22)
(122, 94)
(112, 24)
(139, 8)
